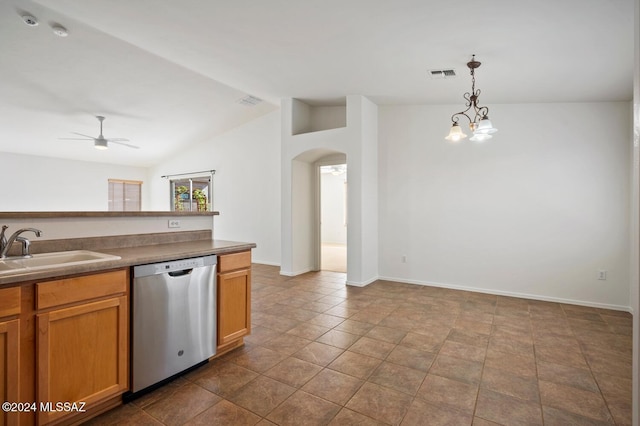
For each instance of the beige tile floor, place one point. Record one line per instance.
(390, 353)
(333, 257)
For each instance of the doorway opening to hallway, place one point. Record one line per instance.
(333, 217)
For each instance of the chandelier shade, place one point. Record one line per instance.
(480, 137)
(478, 116)
(485, 127)
(455, 134)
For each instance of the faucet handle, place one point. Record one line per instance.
(3, 239)
(26, 244)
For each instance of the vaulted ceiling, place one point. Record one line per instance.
(168, 74)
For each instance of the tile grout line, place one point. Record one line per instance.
(535, 360)
(484, 361)
(589, 364)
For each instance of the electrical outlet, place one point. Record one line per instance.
(174, 223)
(602, 274)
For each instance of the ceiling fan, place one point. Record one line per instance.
(101, 142)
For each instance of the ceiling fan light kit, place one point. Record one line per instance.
(480, 124)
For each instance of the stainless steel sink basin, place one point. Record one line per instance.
(7, 267)
(52, 260)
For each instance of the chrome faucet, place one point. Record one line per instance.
(5, 244)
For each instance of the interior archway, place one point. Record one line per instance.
(306, 206)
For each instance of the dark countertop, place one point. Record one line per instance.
(131, 256)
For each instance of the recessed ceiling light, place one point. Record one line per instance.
(60, 31)
(30, 20)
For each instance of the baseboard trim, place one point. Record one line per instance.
(512, 294)
(362, 283)
(262, 262)
(296, 273)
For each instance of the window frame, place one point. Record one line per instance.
(124, 202)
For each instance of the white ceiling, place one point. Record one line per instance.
(168, 74)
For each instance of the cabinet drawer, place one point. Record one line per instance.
(230, 262)
(71, 290)
(9, 301)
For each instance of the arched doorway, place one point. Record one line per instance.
(333, 215)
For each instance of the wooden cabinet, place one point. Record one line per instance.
(234, 299)
(9, 351)
(67, 340)
(82, 340)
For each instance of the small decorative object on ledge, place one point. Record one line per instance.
(480, 124)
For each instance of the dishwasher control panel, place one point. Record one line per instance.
(178, 265)
(174, 265)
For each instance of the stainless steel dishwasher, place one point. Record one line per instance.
(174, 318)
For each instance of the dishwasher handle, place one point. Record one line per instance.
(180, 273)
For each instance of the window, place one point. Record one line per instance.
(125, 195)
(191, 194)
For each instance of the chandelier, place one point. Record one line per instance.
(480, 124)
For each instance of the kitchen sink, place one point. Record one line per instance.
(59, 259)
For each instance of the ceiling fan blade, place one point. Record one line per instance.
(117, 140)
(125, 144)
(86, 136)
(75, 139)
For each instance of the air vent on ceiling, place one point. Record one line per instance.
(249, 100)
(449, 73)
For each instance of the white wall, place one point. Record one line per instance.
(246, 187)
(532, 212)
(33, 183)
(332, 196)
(363, 216)
(303, 216)
(327, 117)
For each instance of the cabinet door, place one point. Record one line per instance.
(9, 368)
(82, 353)
(234, 305)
